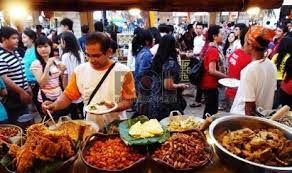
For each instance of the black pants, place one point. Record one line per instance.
(211, 101)
(285, 99)
(77, 111)
(35, 90)
(276, 103)
(14, 107)
(199, 95)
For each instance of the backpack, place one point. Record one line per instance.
(196, 71)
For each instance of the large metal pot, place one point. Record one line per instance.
(238, 164)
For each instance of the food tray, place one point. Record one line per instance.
(162, 165)
(236, 163)
(136, 167)
(15, 139)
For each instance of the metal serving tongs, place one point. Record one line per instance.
(206, 123)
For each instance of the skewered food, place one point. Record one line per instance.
(147, 129)
(42, 144)
(111, 154)
(265, 146)
(184, 150)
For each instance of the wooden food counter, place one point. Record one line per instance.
(215, 166)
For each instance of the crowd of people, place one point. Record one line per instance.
(63, 74)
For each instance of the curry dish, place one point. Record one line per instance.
(264, 146)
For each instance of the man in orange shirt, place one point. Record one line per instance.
(117, 87)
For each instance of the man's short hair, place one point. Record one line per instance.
(163, 28)
(200, 24)
(84, 29)
(6, 32)
(99, 38)
(98, 26)
(39, 27)
(67, 22)
(190, 26)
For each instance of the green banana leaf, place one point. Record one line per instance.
(128, 139)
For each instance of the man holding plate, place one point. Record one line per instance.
(99, 82)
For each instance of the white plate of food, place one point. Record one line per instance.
(181, 122)
(230, 82)
(101, 107)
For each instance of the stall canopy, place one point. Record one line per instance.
(153, 5)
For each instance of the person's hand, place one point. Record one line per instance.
(50, 61)
(183, 86)
(48, 105)
(62, 67)
(25, 98)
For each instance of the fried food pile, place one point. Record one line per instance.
(265, 146)
(9, 131)
(111, 154)
(184, 150)
(42, 144)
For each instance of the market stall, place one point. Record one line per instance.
(222, 143)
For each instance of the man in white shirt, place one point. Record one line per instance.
(199, 42)
(258, 79)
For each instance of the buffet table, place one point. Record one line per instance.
(212, 167)
(75, 164)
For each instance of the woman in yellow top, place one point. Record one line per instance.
(284, 52)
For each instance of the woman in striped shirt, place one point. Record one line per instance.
(46, 71)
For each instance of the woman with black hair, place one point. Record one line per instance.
(134, 49)
(166, 90)
(211, 73)
(28, 39)
(46, 71)
(156, 39)
(283, 54)
(71, 58)
(286, 85)
(228, 46)
(236, 62)
(142, 74)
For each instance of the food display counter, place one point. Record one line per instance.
(165, 152)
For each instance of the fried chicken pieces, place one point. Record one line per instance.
(41, 144)
(265, 146)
